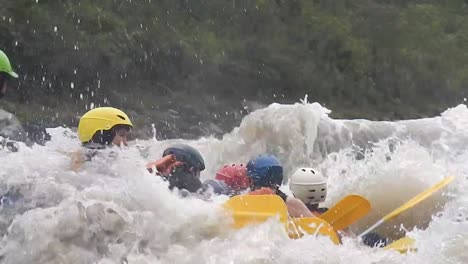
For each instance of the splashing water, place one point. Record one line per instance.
(113, 211)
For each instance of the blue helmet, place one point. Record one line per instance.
(265, 171)
(186, 154)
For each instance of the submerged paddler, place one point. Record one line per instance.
(100, 128)
(6, 73)
(180, 165)
(266, 176)
(10, 133)
(106, 127)
(309, 185)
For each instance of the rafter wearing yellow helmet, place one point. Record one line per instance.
(104, 126)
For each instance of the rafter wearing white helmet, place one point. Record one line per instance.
(308, 185)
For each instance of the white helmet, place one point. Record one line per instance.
(308, 185)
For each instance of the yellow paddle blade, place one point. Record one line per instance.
(418, 198)
(347, 211)
(311, 225)
(254, 209)
(403, 245)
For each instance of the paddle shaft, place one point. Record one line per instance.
(381, 221)
(415, 200)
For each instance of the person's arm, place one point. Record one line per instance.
(77, 160)
(297, 208)
(164, 165)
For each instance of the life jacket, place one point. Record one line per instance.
(262, 191)
(269, 191)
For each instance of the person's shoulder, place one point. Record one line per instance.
(80, 156)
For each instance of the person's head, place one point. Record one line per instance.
(104, 126)
(191, 158)
(309, 186)
(6, 72)
(234, 175)
(216, 186)
(265, 171)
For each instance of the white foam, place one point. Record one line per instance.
(113, 211)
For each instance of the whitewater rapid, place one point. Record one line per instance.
(114, 211)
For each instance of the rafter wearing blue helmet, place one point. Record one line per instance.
(266, 176)
(265, 171)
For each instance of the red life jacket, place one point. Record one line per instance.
(262, 191)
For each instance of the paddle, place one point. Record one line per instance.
(347, 211)
(415, 200)
(254, 209)
(250, 209)
(297, 227)
(402, 245)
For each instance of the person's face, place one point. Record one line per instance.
(120, 137)
(3, 85)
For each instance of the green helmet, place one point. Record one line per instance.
(5, 65)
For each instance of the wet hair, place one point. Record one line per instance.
(103, 138)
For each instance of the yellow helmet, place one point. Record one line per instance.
(101, 118)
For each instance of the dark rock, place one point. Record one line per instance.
(29, 133)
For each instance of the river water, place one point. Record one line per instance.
(114, 211)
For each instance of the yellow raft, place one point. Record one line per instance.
(255, 209)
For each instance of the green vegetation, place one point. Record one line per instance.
(379, 59)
